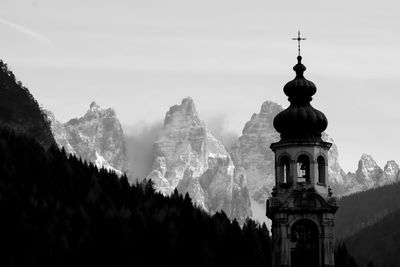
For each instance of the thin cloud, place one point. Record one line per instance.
(34, 35)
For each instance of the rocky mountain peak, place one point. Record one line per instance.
(185, 113)
(262, 123)
(368, 174)
(95, 112)
(367, 164)
(367, 160)
(96, 137)
(94, 107)
(335, 171)
(252, 153)
(391, 166)
(269, 107)
(188, 157)
(391, 172)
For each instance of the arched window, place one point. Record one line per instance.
(285, 169)
(321, 170)
(303, 169)
(304, 248)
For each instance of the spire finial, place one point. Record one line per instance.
(298, 39)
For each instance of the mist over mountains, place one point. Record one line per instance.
(139, 140)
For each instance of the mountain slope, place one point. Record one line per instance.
(378, 243)
(96, 137)
(20, 111)
(188, 157)
(362, 209)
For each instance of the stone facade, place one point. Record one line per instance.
(306, 204)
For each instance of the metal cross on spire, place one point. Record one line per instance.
(298, 39)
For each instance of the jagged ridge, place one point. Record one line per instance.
(188, 157)
(96, 137)
(369, 175)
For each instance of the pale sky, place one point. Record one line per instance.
(141, 57)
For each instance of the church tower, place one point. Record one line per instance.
(301, 207)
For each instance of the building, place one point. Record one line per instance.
(301, 207)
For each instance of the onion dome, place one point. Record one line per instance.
(300, 121)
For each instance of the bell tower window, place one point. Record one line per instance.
(303, 169)
(285, 169)
(321, 170)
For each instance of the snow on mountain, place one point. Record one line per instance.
(252, 151)
(369, 175)
(188, 157)
(96, 137)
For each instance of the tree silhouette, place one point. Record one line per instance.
(59, 211)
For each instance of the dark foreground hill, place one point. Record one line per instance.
(362, 209)
(57, 211)
(20, 111)
(379, 242)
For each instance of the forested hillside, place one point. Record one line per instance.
(362, 209)
(20, 111)
(57, 211)
(379, 243)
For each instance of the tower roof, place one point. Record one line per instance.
(300, 121)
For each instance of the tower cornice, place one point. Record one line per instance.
(298, 143)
